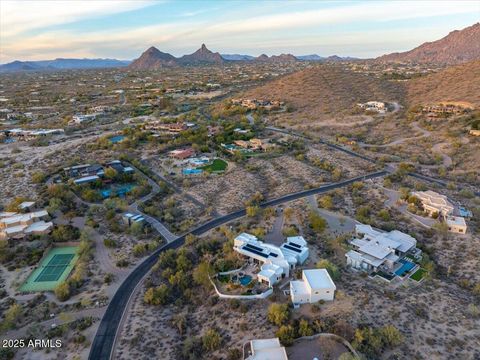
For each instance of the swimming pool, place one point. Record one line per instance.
(120, 191)
(116, 139)
(406, 267)
(192, 171)
(245, 280)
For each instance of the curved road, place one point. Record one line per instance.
(105, 337)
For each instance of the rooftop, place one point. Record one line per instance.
(456, 220)
(318, 279)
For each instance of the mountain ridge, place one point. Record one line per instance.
(62, 64)
(459, 46)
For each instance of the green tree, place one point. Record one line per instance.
(12, 315)
(202, 273)
(286, 335)
(332, 269)
(62, 291)
(278, 314)
(110, 173)
(211, 340)
(384, 215)
(157, 295)
(391, 336)
(252, 211)
(317, 223)
(325, 202)
(38, 177)
(304, 328)
(139, 250)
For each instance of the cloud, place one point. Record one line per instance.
(236, 31)
(17, 17)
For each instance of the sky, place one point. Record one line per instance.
(41, 30)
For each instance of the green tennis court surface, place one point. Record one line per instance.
(54, 269)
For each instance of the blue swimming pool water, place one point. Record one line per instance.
(120, 191)
(406, 267)
(245, 280)
(191, 171)
(116, 139)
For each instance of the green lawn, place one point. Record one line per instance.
(418, 275)
(217, 165)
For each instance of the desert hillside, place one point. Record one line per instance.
(456, 83)
(457, 47)
(327, 90)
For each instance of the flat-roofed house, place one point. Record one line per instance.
(316, 285)
(373, 249)
(296, 246)
(433, 202)
(86, 179)
(266, 349)
(276, 262)
(456, 224)
(20, 225)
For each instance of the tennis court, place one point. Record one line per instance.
(54, 269)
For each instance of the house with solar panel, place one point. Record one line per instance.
(374, 250)
(130, 219)
(275, 262)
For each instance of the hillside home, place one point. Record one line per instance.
(474, 132)
(266, 349)
(14, 225)
(375, 250)
(169, 128)
(376, 106)
(182, 154)
(433, 202)
(276, 262)
(456, 224)
(81, 118)
(130, 219)
(439, 110)
(316, 285)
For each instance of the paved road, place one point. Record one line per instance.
(388, 167)
(105, 337)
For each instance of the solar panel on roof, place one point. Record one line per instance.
(293, 244)
(286, 246)
(254, 247)
(273, 254)
(255, 251)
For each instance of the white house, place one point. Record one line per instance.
(433, 202)
(296, 246)
(316, 285)
(456, 224)
(276, 261)
(377, 106)
(266, 349)
(80, 118)
(20, 225)
(373, 249)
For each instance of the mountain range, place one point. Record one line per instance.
(60, 64)
(457, 47)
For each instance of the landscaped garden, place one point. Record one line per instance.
(419, 274)
(218, 165)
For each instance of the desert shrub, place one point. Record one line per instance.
(278, 314)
